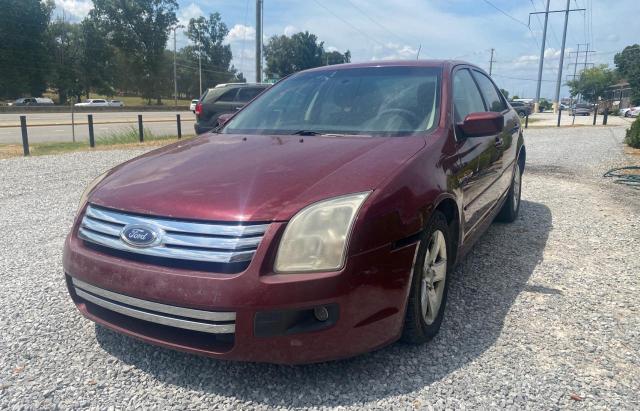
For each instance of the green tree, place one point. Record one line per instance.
(335, 57)
(139, 28)
(628, 65)
(66, 44)
(24, 57)
(592, 83)
(545, 104)
(208, 35)
(285, 55)
(96, 60)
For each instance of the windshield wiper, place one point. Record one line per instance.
(318, 133)
(306, 133)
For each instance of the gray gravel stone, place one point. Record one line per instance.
(540, 310)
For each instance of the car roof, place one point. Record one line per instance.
(395, 63)
(224, 85)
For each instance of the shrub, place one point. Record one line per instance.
(633, 134)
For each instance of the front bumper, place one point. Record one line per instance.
(368, 299)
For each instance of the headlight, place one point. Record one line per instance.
(316, 238)
(89, 189)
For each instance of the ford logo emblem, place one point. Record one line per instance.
(140, 235)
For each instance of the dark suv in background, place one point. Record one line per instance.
(521, 108)
(222, 99)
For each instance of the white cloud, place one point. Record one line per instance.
(190, 12)
(77, 8)
(393, 51)
(290, 30)
(240, 32)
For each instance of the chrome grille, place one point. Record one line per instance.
(186, 318)
(183, 240)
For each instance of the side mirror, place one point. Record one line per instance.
(482, 124)
(224, 118)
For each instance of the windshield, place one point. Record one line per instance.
(385, 101)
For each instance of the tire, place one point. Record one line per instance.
(429, 281)
(509, 211)
(521, 114)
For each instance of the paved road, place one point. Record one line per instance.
(50, 127)
(542, 314)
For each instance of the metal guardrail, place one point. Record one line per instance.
(92, 142)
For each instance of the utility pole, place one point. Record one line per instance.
(200, 62)
(544, 38)
(259, 41)
(175, 70)
(491, 61)
(564, 40)
(536, 108)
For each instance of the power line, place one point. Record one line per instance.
(513, 18)
(506, 14)
(348, 23)
(522, 79)
(378, 23)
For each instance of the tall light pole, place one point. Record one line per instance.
(200, 62)
(175, 70)
(259, 41)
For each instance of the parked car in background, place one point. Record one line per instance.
(222, 99)
(322, 221)
(523, 109)
(192, 107)
(32, 101)
(116, 103)
(581, 109)
(634, 112)
(95, 102)
(627, 112)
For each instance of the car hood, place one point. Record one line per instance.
(251, 178)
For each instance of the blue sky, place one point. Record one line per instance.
(464, 29)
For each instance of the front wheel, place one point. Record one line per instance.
(509, 211)
(429, 285)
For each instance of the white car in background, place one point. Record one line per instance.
(192, 107)
(93, 102)
(630, 111)
(116, 103)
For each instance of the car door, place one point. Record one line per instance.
(505, 141)
(215, 103)
(478, 170)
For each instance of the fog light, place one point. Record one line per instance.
(321, 313)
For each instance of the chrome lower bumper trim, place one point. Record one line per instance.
(153, 312)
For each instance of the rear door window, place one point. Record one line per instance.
(228, 95)
(247, 93)
(490, 93)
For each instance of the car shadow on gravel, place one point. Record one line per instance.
(483, 289)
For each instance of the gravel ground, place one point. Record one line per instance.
(540, 311)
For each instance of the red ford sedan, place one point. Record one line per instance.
(321, 221)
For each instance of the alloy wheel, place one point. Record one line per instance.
(434, 275)
(517, 179)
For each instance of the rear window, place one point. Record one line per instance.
(247, 93)
(219, 94)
